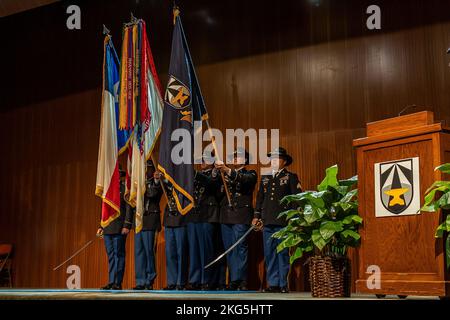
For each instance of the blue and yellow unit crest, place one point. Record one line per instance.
(177, 94)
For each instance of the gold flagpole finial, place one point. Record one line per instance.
(176, 12)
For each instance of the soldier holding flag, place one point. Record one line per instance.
(176, 243)
(114, 224)
(144, 241)
(201, 227)
(183, 104)
(237, 216)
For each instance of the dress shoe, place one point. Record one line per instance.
(221, 287)
(139, 288)
(233, 286)
(149, 287)
(180, 287)
(284, 290)
(271, 289)
(116, 287)
(193, 287)
(243, 286)
(107, 287)
(170, 287)
(208, 287)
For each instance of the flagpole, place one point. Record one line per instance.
(227, 192)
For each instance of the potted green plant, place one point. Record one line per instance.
(442, 202)
(325, 224)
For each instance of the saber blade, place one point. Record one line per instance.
(75, 254)
(232, 247)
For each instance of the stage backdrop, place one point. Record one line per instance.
(309, 68)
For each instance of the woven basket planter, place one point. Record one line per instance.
(329, 276)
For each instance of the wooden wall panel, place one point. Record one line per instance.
(314, 72)
(8, 7)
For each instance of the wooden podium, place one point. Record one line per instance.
(411, 260)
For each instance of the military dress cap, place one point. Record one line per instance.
(281, 153)
(206, 157)
(241, 152)
(150, 163)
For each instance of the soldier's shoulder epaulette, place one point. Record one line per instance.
(290, 173)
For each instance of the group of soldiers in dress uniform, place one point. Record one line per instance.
(222, 214)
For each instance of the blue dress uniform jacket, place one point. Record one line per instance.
(206, 209)
(124, 220)
(241, 184)
(271, 190)
(151, 219)
(172, 218)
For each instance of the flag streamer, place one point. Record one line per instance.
(140, 110)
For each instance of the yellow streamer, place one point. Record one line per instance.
(123, 116)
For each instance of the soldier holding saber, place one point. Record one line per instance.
(115, 236)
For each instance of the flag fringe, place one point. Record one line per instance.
(176, 186)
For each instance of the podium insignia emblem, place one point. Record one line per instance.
(397, 187)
